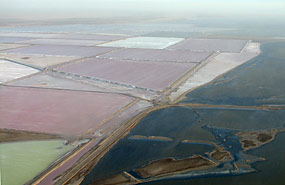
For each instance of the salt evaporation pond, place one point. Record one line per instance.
(21, 161)
(257, 82)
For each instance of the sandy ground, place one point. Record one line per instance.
(119, 179)
(13, 135)
(63, 42)
(37, 60)
(57, 50)
(145, 42)
(10, 71)
(45, 80)
(253, 139)
(10, 46)
(169, 165)
(31, 35)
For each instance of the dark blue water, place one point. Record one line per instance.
(227, 139)
(240, 119)
(177, 123)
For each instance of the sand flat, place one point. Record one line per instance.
(10, 71)
(56, 50)
(145, 42)
(67, 42)
(39, 60)
(10, 46)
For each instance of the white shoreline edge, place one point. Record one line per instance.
(218, 64)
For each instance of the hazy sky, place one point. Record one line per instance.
(101, 8)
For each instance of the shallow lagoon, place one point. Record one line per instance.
(21, 161)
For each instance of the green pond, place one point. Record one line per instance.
(21, 161)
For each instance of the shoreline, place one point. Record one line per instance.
(133, 122)
(214, 67)
(95, 153)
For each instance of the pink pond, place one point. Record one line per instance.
(56, 111)
(98, 37)
(157, 55)
(223, 45)
(4, 39)
(82, 51)
(152, 75)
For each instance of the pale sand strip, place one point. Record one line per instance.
(215, 67)
(37, 59)
(10, 71)
(11, 46)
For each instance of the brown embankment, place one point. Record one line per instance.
(221, 155)
(169, 166)
(114, 180)
(159, 138)
(254, 139)
(13, 135)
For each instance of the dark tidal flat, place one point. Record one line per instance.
(256, 83)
